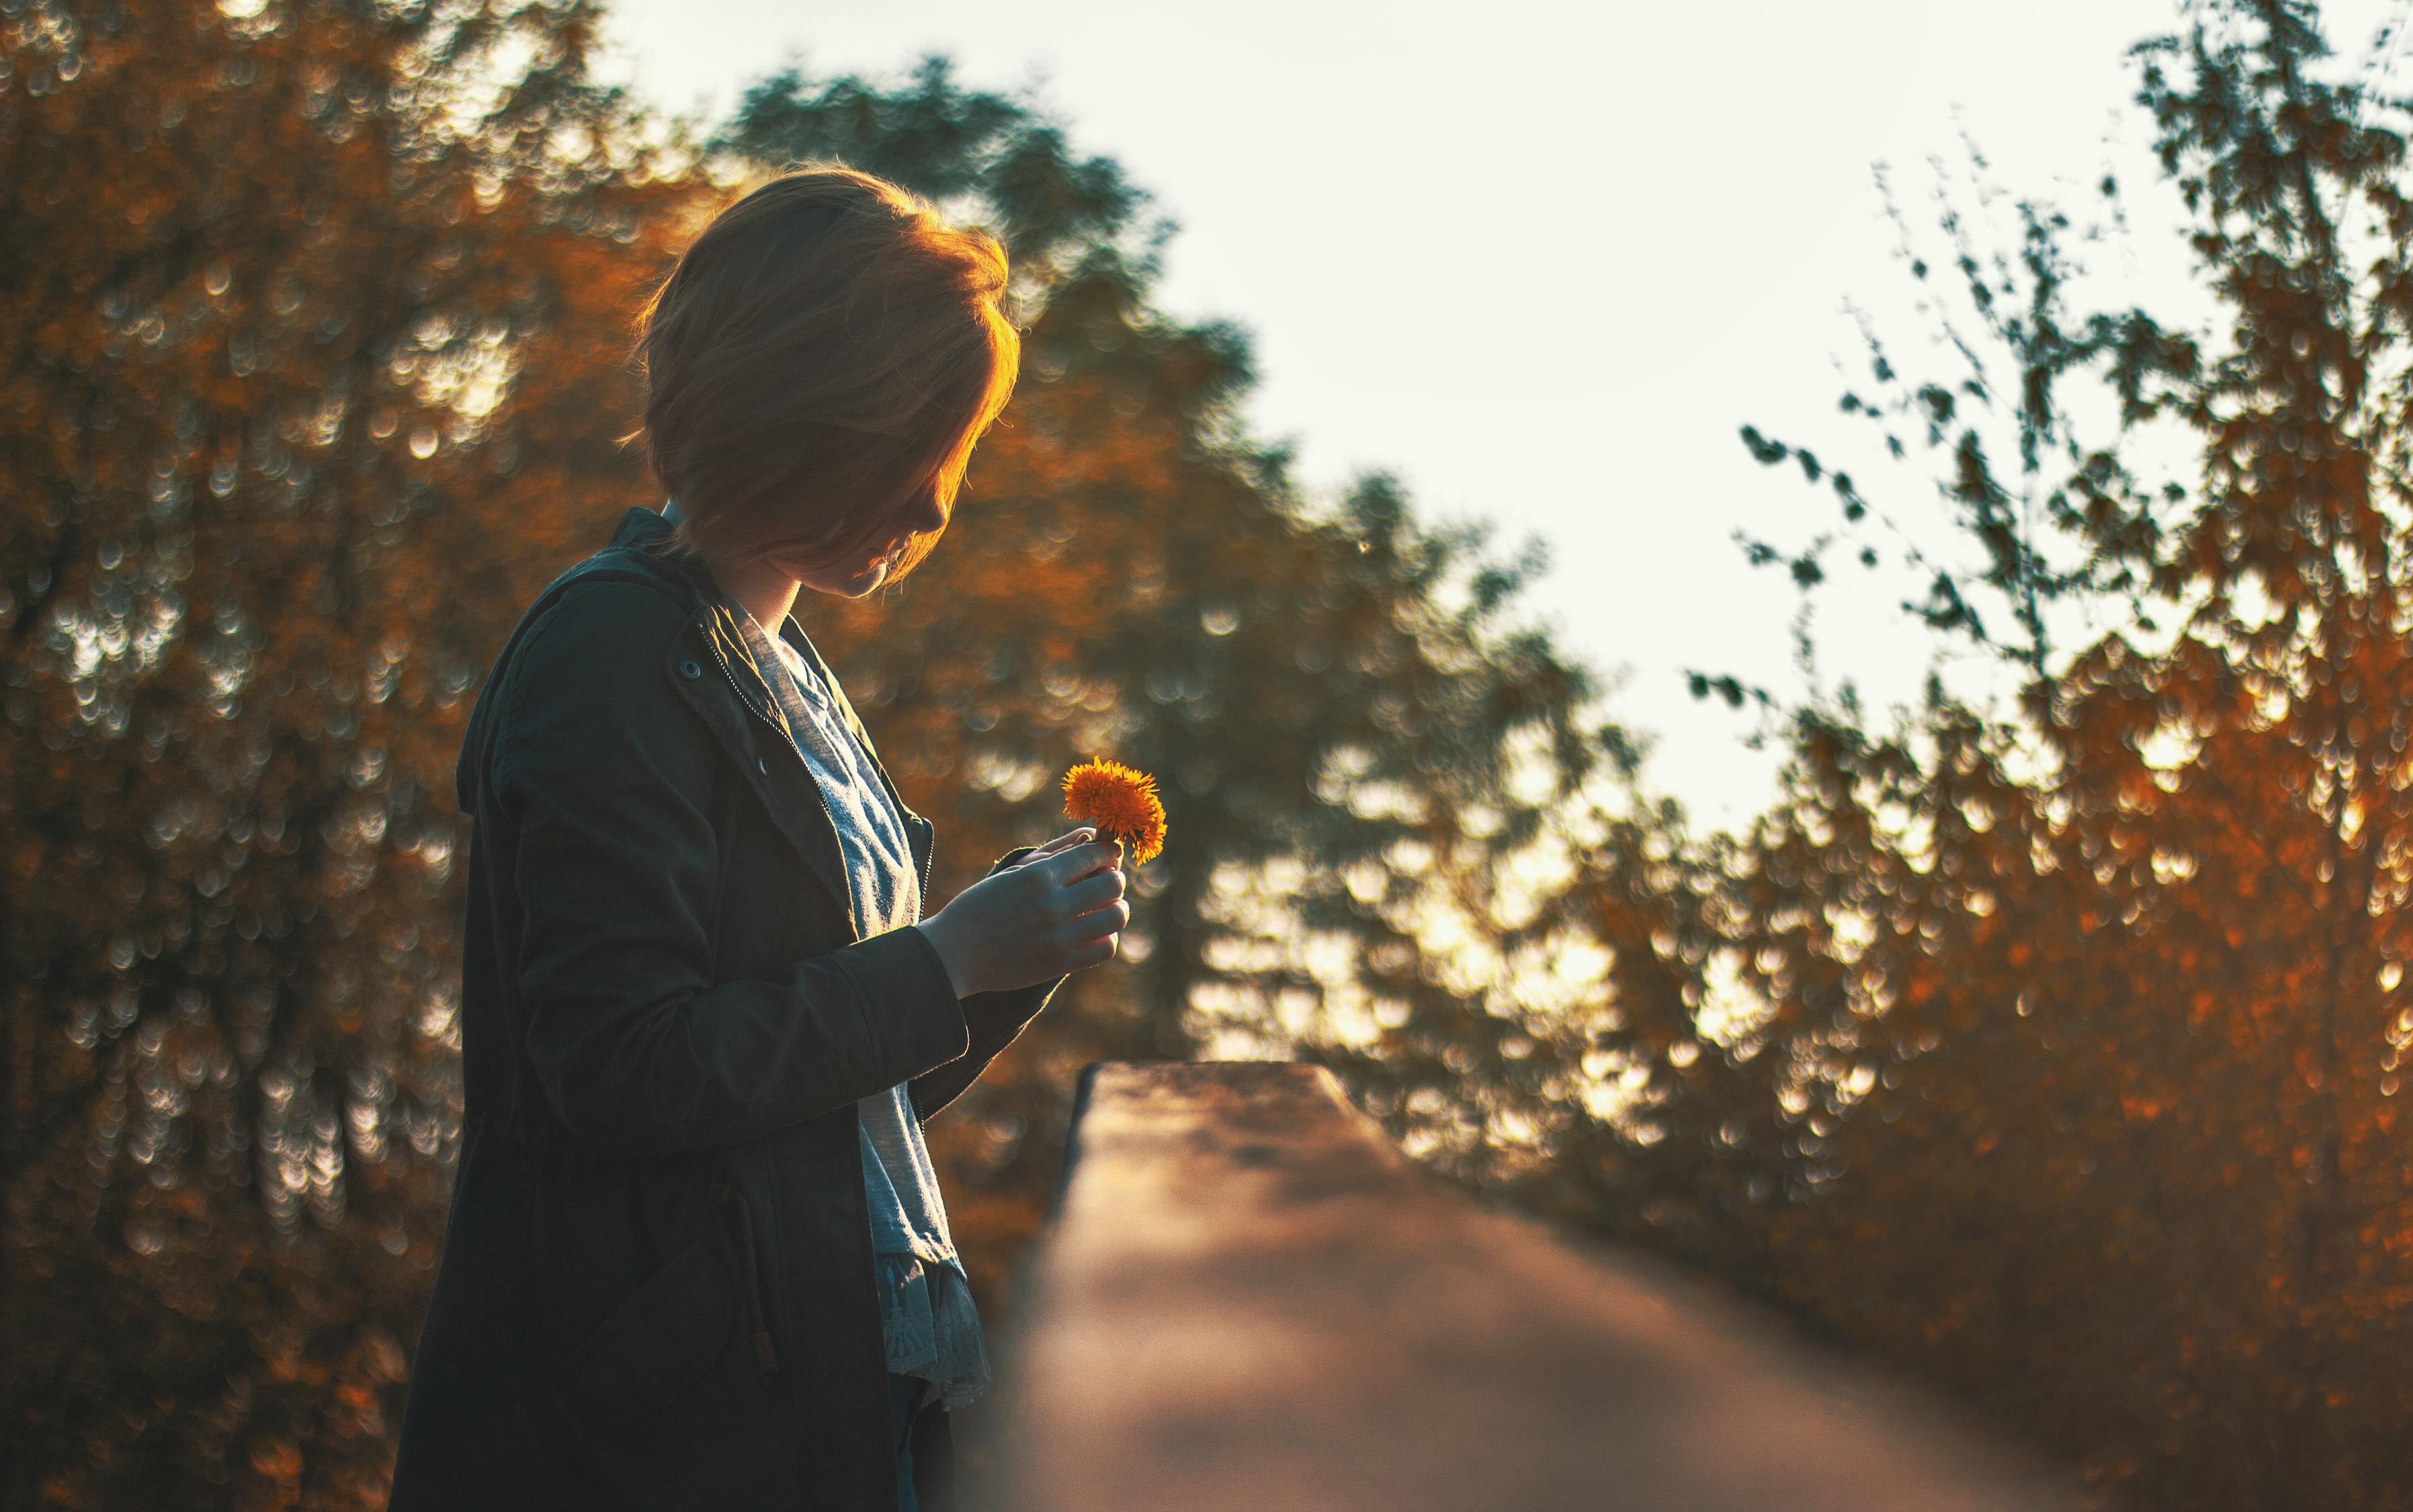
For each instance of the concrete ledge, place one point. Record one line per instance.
(1250, 1300)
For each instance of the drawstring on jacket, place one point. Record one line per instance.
(767, 1361)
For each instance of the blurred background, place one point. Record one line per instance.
(1780, 631)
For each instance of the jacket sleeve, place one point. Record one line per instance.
(603, 774)
(994, 1020)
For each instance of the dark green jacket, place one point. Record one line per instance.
(656, 1286)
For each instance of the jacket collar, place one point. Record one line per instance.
(639, 526)
(643, 531)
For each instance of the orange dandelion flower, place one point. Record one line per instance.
(1120, 802)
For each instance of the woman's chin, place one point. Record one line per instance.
(865, 580)
(854, 584)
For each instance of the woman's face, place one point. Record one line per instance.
(855, 579)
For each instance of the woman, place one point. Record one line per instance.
(697, 1257)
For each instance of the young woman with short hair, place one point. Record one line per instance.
(697, 1255)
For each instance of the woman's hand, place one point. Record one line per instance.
(1054, 911)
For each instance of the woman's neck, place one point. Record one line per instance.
(767, 593)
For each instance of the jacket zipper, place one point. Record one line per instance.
(929, 855)
(712, 644)
(893, 796)
(765, 1359)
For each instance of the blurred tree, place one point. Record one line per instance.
(2086, 1008)
(313, 316)
(1352, 742)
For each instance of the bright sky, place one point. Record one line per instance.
(1542, 261)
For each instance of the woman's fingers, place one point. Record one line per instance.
(1100, 923)
(1107, 919)
(1097, 888)
(1070, 865)
(1070, 838)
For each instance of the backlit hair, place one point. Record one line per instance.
(824, 354)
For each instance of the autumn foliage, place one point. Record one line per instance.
(2076, 996)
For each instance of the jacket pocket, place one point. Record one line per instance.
(656, 1346)
(758, 1311)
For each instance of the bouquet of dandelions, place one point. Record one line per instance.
(1122, 803)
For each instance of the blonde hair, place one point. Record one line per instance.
(824, 354)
